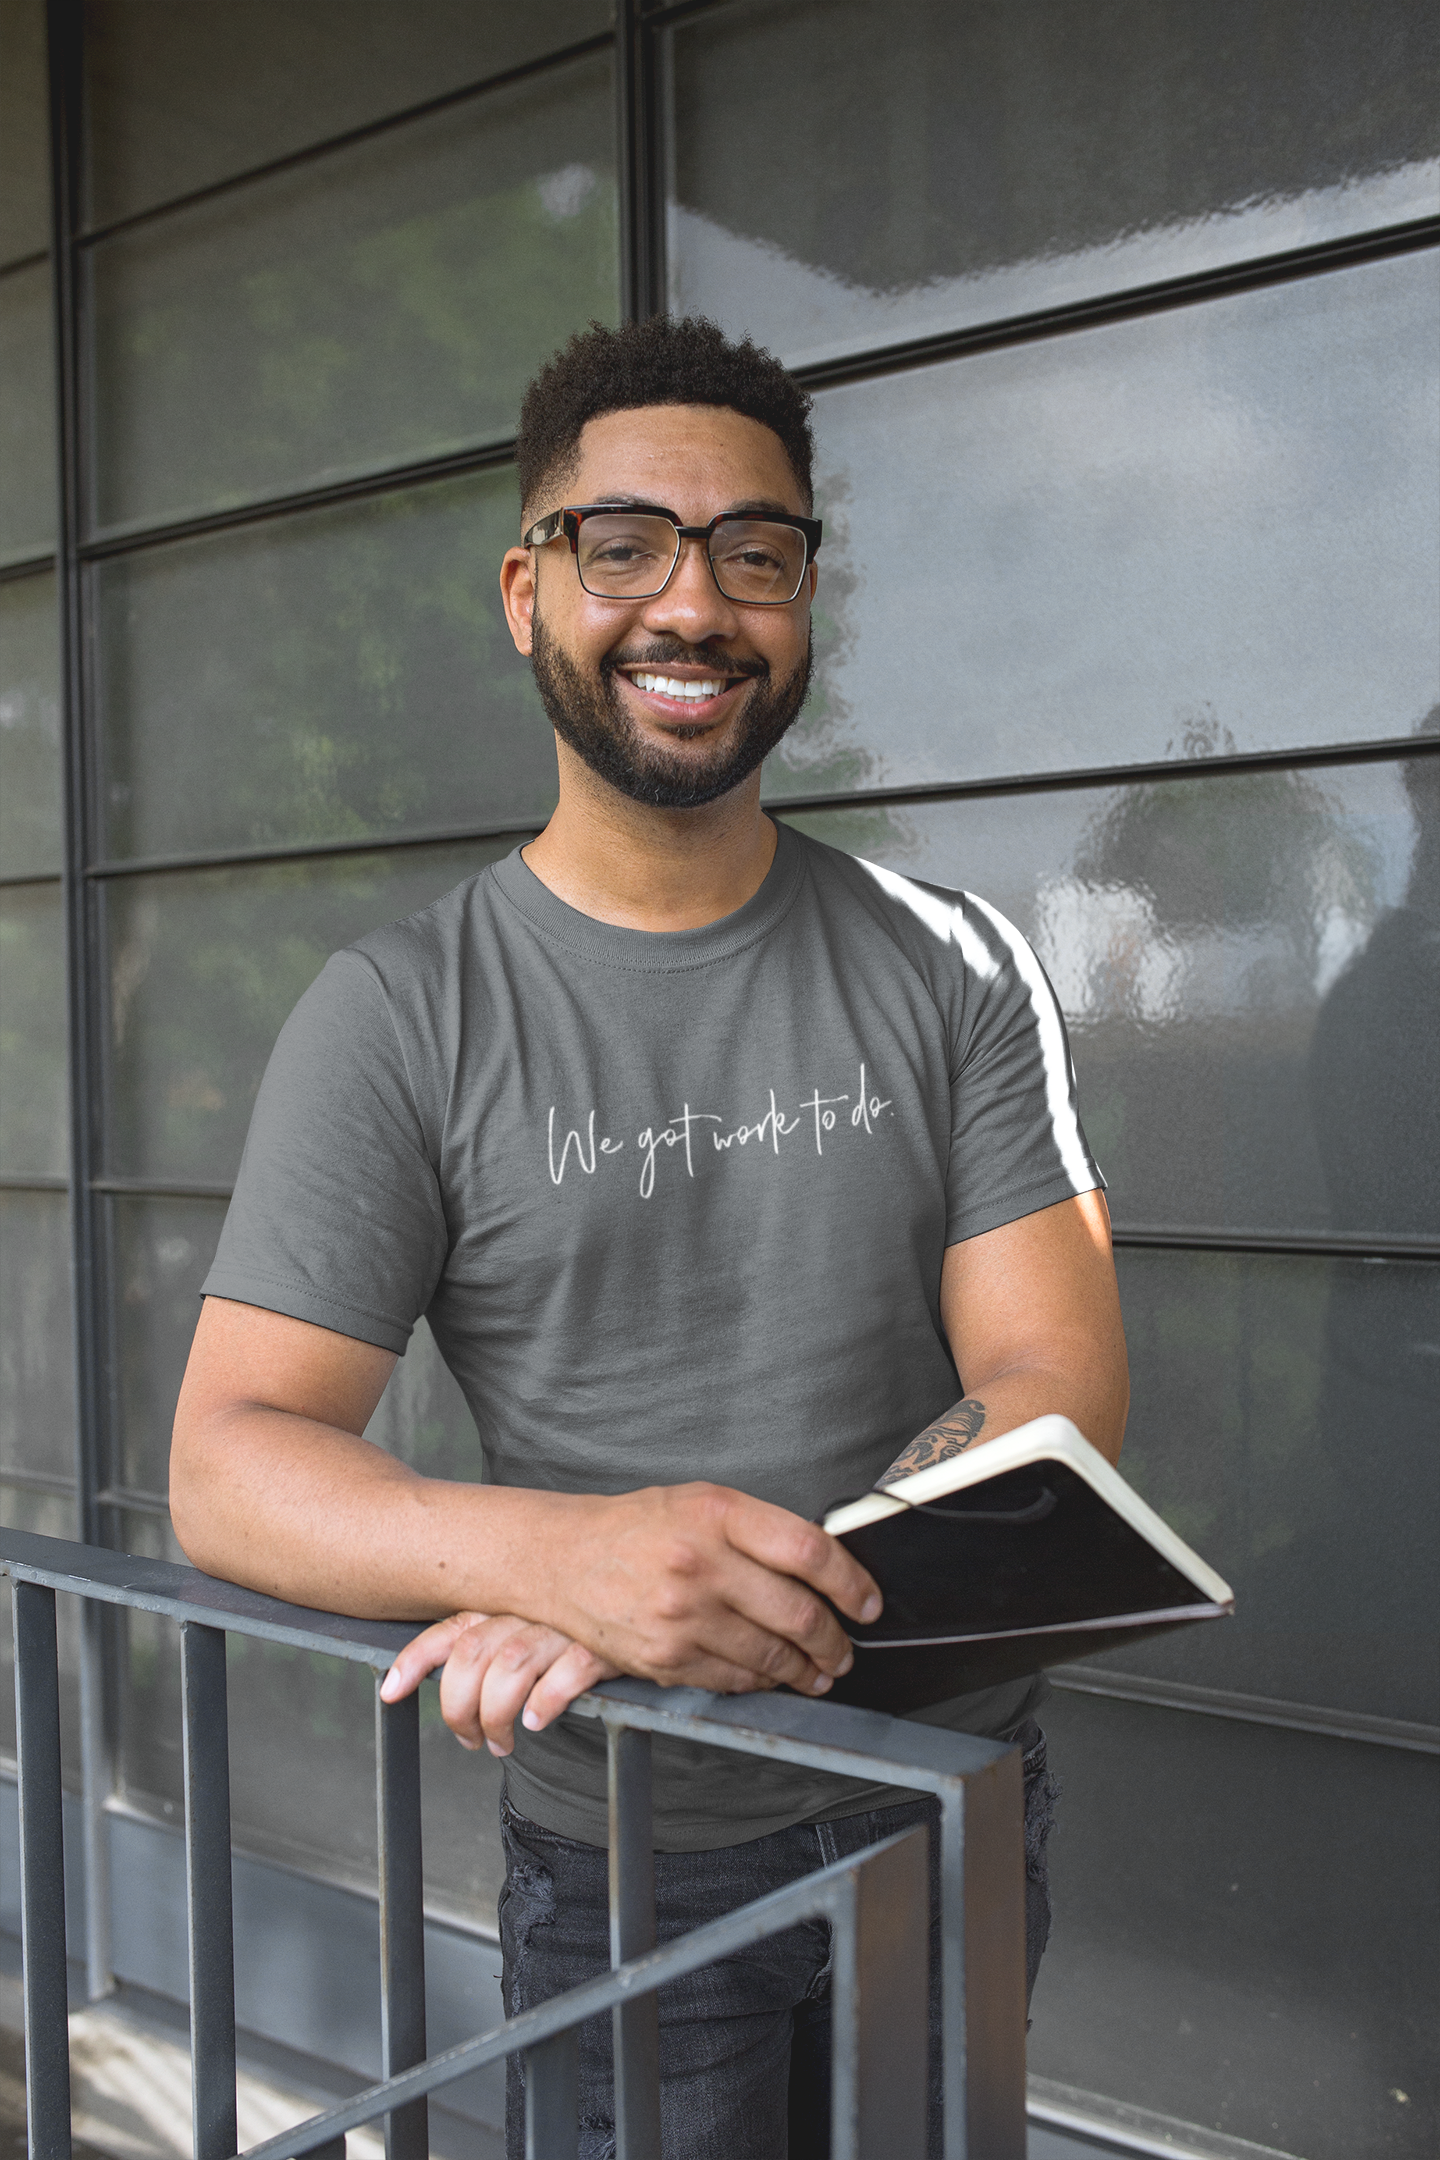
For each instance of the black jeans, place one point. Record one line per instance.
(745, 2044)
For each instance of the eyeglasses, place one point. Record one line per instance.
(756, 559)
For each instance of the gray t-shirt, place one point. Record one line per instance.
(675, 1205)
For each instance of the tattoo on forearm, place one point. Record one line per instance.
(949, 1435)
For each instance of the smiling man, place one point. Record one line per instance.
(732, 1174)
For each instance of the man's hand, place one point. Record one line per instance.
(494, 1668)
(272, 1485)
(702, 1586)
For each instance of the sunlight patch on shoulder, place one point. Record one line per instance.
(943, 918)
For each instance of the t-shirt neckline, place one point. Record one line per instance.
(656, 951)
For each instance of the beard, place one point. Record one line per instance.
(587, 713)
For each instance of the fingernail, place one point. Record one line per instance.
(386, 1685)
(530, 1720)
(496, 1749)
(820, 1685)
(845, 1664)
(873, 1607)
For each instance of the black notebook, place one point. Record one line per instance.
(1030, 1551)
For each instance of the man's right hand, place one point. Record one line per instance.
(701, 1586)
(272, 1485)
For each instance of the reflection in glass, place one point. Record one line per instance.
(37, 1381)
(1282, 1419)
(27, 415)
(29, 727)
(423, 1418)
(24, 133)
(387, 302)
(1240, 1938)
(1208, 938)
(180, 96)
(47, 1515)
(989, 183)
(324, 677)
(205, 966)
(302, 1760)
(163, 1250)
(33, 1087)
(1209, 529)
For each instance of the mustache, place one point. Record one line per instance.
(674, 652)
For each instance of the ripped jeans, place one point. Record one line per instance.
(745, 2044)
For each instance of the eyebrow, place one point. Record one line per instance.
(755, 505)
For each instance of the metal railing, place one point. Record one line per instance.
(876, 1902)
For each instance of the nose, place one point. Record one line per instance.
(692, 605)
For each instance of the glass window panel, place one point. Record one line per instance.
(1249, 970)
(181, 96)
(990, 184)
(47, 1515)
(302, 1757)
(387, 302)
(1282, 1418)
(24, 131)
(1244, 1929)
(27, 415)
(204, 968)
(163, 1250)
(37, 1380)
(325, 677)
(29, 727)
(33, 1086)
(422, 1417)
(1213, 528)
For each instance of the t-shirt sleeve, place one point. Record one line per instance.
(336, 1216)
(1016, 1141)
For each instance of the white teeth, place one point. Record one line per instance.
(672, 686)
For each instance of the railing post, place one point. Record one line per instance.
(552, 2099)
(402, 1914)
(982, 1870)
(42, 1872)
(880, 1993)
(97, 1783)
(207, 1883)
(632, 1932)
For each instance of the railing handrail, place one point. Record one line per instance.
(976, 1782)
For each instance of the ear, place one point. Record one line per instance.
(517, 591)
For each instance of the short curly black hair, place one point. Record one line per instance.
(669, 360)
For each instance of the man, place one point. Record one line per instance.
(714, 1158)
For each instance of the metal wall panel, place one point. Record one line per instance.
(1244, 1922)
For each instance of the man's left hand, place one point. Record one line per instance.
(496, 1667)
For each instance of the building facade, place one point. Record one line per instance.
(1122, 324)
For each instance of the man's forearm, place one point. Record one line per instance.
(323, 1518)
(1009, 1400)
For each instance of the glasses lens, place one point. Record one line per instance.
(758, 563)
(626, 557)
